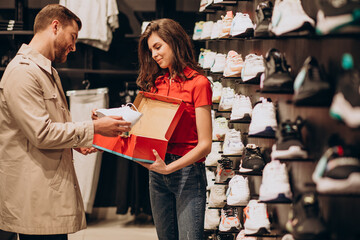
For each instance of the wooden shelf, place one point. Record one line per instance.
(17, 32)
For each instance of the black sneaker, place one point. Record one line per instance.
(338, 17)
(263, 18)
(346, 102)
(305, 221)
(277, 73)
(289, 142)
(311, 86)
(252, 160)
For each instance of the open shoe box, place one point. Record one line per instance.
(160, 117)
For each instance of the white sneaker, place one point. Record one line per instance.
(214, 155)
(242, 26)
(207, 28)
(216, 92)
(209, 59)
(288, 16)
(219, 64)
(217, 28)
(210, 178)
(125, 112)
(263, 121)
(201, 57)
(224, 171)
(232, 143)
(212, 219)
(217, 196)
(241, 236)
(233, 64)
(238, 193)
(144, 25)
(198, 30)
(275, 185)
(204, 4)
(229, 220)
(256, 218)
(227, 98)
(241, 108)
(220, 128)
(253, 68)
(226, 24)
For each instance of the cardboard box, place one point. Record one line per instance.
(153, 131)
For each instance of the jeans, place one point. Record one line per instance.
(178, 201)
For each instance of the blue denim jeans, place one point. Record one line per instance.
(178, 201)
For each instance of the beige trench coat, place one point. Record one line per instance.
(39, 193)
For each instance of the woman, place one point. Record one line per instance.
(177, 184)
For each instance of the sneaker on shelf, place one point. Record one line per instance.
(232, 143)
(256, 219)
(305, 221)
(220, 128)
(241, 109)
(201, 57)
(238, 192)
(275, 186)
(338, 171)
(277, 73)
(204, 4)
(210, 178)
(217, 28)
(217, 90)
(128, 112)
(263, 18)
(207, 29)
(252, 160)
(345, 105)
(337, 17)
(311, 87)
(233, 65)
(224, 171)
(242, 236)
(288, 17)
(226, 24)
(253, 68)
(242, 26)
(288, 237)
(209, 59)
(198, 30)
(227, 99)
(229, 220)
(289, 143)
(144, 25)
(212, 219)
(263, 120)
(214, 155)
(219, 64)
(217, 196)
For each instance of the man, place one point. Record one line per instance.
(39, 194)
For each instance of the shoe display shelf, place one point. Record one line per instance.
(341, 212)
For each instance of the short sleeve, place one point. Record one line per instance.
(202, 93)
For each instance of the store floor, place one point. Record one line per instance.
(122, 227)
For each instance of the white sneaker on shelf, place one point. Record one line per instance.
(241, 236)
(198, 30)
(275, 185)
(217, 90)
(207, 29)
(233, 65)
(263, 121)
(232, 143)
(220, 128)
(209, 59)
(214, 155)
(241, 108)
(229, 220)
(227, 98)
(212, 219)
(253, 68)
(210, 178)
(217, 28)
(219, 64)
(242, 26)
(238, 193)
(256, 218)
(224, 171)
(217, 196)
(226, 24)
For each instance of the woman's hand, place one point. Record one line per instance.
(158, 166)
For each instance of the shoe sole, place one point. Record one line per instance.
(294, 152)
(350, 185)
(342, 110)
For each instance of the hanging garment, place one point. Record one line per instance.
(99, 20)
(87, 167)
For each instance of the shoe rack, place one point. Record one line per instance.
(341, 212)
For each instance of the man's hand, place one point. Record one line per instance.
(86, 151)
(94, 116)
(111, 126)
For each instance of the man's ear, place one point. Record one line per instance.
(55, 26)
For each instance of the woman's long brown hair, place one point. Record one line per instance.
(175, 36)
